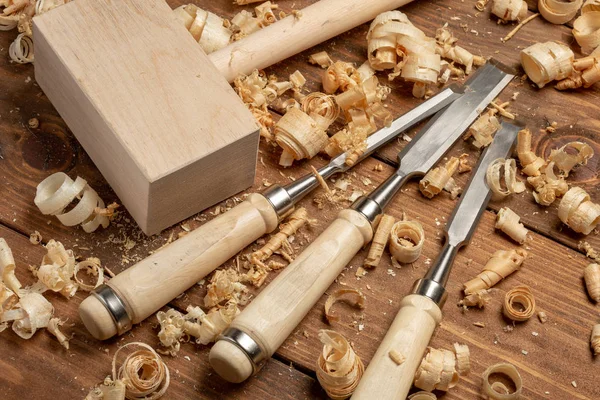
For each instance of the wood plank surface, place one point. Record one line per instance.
(558, 355)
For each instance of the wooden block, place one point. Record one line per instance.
(160, 122)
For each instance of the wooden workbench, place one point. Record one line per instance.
(554, 358)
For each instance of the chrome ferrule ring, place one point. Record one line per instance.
(115, 306)
(249, 347)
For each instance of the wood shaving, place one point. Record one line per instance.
(595, 339)
(509, 10)
(143, 372)
(483, 129)
(54, 328)
(523, 296)
(57, 192)
(422, 396)
(590, 252)
(406, 241)
(447, 48)
(565, 161)
(91, 266)
(586, 29)
(559, 12)
(591, 275)
(299, 135)
(437, 370)
(396, 357)
(171, 330)
(586, 74)
(479, 324)
(499, 266)
(578, 212)
(501, 108)
(463, 164)
(321, 58)
(542, 317)
(545, 62)
(206, 328)
(437, 178)
(207, 29)
(517, 29)
(548, 186)
(380, 240)
(351, 296)
(57, 270)
(530, 162)
(339, 369)
(224, 286)
(508, 222)
(480, 298)
(509, 370)
(480, 4)
(503, 171)
(108, 390)
(463, 358)
(322, 108)
(35, 238)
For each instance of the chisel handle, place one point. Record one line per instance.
(409, 336)
(317, 23)
(270, 318)
(155, 281)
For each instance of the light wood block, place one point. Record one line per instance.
(160, 122)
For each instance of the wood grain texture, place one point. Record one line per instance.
(557, 356)
(162, 125)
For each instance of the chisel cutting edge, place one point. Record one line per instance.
(143, 289)
(420, 312)
(268, 320)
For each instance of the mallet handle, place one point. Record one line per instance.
(319, 22)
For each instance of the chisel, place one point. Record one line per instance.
(420, 311)
(268, 320)
(140, 291)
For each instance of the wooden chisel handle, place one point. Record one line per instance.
(317, 23)
(408, 336)
(153, 282)
(270, 318)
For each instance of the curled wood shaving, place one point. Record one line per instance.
(436, 179)
(530, 162)
(10, 283)
(506, 169)
(224, 285)
(595, 339)
(91, 266)
(57, 270)
(406, 241)
(590, 5)
(339, 369)
(321, 58)
(508, 222)
(108, 390)
(21, 50)
(299, 136)
(578, 212)
(57, 192)
(519, 295)
(143, 372)
(483, 129)
(54, 328)
(423, 70)
(463, 163)
(207, 327)
(565, 161)
(545, 62)
(509, 370)
(499, 266)
(559, 12)
(352, 296)
(322, 108)
(171, 330)
(463, 356)
(548, 187)
(480, 298)
(31, 313)
(480, 4)
(447, 48)
(509, 10)
(380, 240)
(437, 370)
(591, 275)
(208, 29)
(587, 72)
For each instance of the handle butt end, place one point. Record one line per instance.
(97, 319)
(230, 362)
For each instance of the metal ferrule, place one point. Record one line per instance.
(249, 347)
(115, 307)
(433, 290)
(369, 208)
(283, 198)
